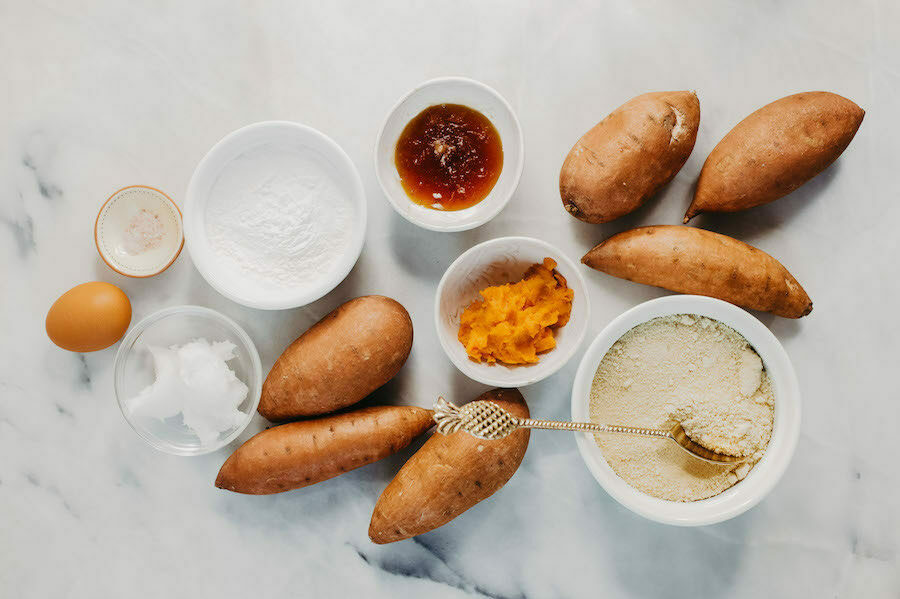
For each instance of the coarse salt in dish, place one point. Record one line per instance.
(138, 231)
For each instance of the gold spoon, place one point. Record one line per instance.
(486, 420)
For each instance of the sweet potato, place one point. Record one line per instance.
(774, 151)
(689, 260)
(616, 166)
(447, 476)
(355, 349)
(299, 454)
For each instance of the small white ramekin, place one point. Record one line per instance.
(764, 475)
(233, 284)
(114, 219)
(495, 262)
(451, 90)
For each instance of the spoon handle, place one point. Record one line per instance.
(591, 427)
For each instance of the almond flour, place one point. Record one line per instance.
(693, 370)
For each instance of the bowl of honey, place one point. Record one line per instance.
(449, 155)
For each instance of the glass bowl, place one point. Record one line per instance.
(175, 326)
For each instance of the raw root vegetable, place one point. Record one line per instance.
(620, 163)
(299, 454)
(774, 151)
(689, 260)
(341, 359)
(448, 475)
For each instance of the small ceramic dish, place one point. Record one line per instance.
(764, 475)
(495, 262)
(451, 90)
(138, 231)
(233, 283)
(133, 371)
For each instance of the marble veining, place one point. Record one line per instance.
(45, 188)
(103, 94)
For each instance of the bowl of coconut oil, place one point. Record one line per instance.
(188, 380)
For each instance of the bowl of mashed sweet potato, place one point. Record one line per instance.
(511, 311)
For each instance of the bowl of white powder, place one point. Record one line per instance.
(710, 366)
(275, 215)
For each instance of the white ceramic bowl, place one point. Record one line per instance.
(232, 283)
(133, 371)
(764, 475)
(451, 90)
(495, 262)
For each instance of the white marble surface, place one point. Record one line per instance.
(97, 95)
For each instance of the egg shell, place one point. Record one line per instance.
(89, 317)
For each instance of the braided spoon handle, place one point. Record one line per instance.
(591, 427)
(487, 420)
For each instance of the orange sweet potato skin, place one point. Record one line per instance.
(624, 159)
(774, 151)
(689, 260)
(341, 359)
(298, 454)
(447, 476)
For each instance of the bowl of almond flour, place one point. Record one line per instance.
(712, 367)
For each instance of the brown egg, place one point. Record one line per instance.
(89, 317)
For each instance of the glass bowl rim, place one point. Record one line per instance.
(125, 350)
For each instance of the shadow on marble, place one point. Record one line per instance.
(740, 225)
(102, 272)
(652, 559)
(784, 328)
(462, 389)
(589, 235)
(390, 394)
(271, 330)
(426, 254)
(291, 323)
(753, 222)
(293, 511)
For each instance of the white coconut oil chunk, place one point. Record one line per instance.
(194, 381)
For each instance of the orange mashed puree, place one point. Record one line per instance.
(515, 322)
